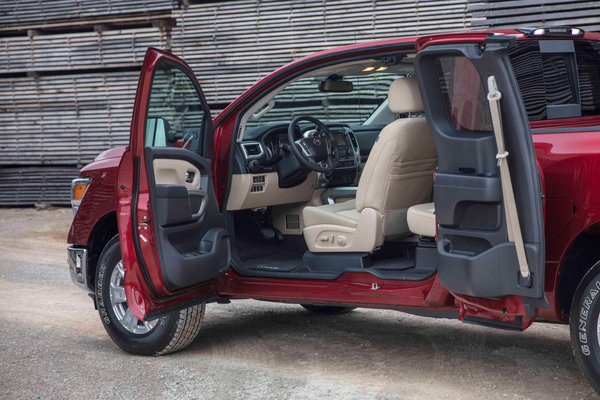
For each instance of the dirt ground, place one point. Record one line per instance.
(53, 345)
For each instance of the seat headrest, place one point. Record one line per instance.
(404, 96)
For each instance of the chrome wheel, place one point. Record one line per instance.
(119, 304)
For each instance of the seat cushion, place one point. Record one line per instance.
(344, 214)
(421, 219)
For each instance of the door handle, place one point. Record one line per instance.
(197, 199)
(189, 176)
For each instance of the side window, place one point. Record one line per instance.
(547, 76)
(463, 95)
(588, 66)
(560, 84)
(175, 116)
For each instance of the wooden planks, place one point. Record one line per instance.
(220, 40)
(39, 184)
(29, 11)
(64, 119)
(524, 13)
(79, 50)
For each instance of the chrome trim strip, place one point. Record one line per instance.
(78, 257)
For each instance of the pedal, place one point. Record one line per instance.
(271, 234)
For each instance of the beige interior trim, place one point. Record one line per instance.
(365, 237)
(404, 96)
(421, 219)
(174, 172)
(262, 190)
(281, 212)
(510, 205)
(344, 214)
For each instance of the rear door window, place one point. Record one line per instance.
(463, 95)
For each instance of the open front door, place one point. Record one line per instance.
(172, 234)
(478, 251)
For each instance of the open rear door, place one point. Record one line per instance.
(172, 234)
(478, 238)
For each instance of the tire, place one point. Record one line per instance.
(584, 326)
(164, 335)
(327, 309)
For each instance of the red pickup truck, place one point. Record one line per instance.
(450, 175)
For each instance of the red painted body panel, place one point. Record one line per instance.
(570, 162)
(100, 197)
(351, 288)
(567, 162)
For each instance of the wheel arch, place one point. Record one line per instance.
(104, 230)
(581, 255)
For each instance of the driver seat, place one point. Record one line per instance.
(397, 175)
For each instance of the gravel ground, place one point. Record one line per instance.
(53, 345)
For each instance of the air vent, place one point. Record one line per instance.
(252, 149)
(258, 179)
(257, 188)
(292, 221)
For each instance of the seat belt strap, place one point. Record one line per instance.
(510, 206)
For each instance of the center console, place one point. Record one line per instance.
(347, 170)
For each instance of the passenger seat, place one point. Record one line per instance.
(421, 219)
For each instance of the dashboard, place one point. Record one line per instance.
(266, 149)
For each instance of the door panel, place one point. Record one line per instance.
(173, 237)
(176, 172)
(193, 245)
(475, 257)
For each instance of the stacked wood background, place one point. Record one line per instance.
(527, 13)
(69, 68)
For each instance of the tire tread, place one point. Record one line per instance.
(188, 327)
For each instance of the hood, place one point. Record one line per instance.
(117, 152)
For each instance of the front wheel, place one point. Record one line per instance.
(585, 326)
(163, 335)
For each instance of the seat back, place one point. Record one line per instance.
(399, 170)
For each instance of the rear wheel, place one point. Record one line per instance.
(585, 326)
(327, 309)
(163, 335)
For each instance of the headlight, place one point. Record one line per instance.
(78, 188)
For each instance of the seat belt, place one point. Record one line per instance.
(510, 206)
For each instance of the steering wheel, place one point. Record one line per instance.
(319, 153)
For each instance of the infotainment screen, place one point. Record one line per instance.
(340, 138)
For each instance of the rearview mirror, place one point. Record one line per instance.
(335, 86)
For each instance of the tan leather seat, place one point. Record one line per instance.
(397, 175)
(421, 219)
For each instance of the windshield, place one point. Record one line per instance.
(366, 82)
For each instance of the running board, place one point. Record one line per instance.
(517, 325)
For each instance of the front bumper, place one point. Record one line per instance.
(78, 257)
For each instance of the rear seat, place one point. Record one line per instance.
(421, 219)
